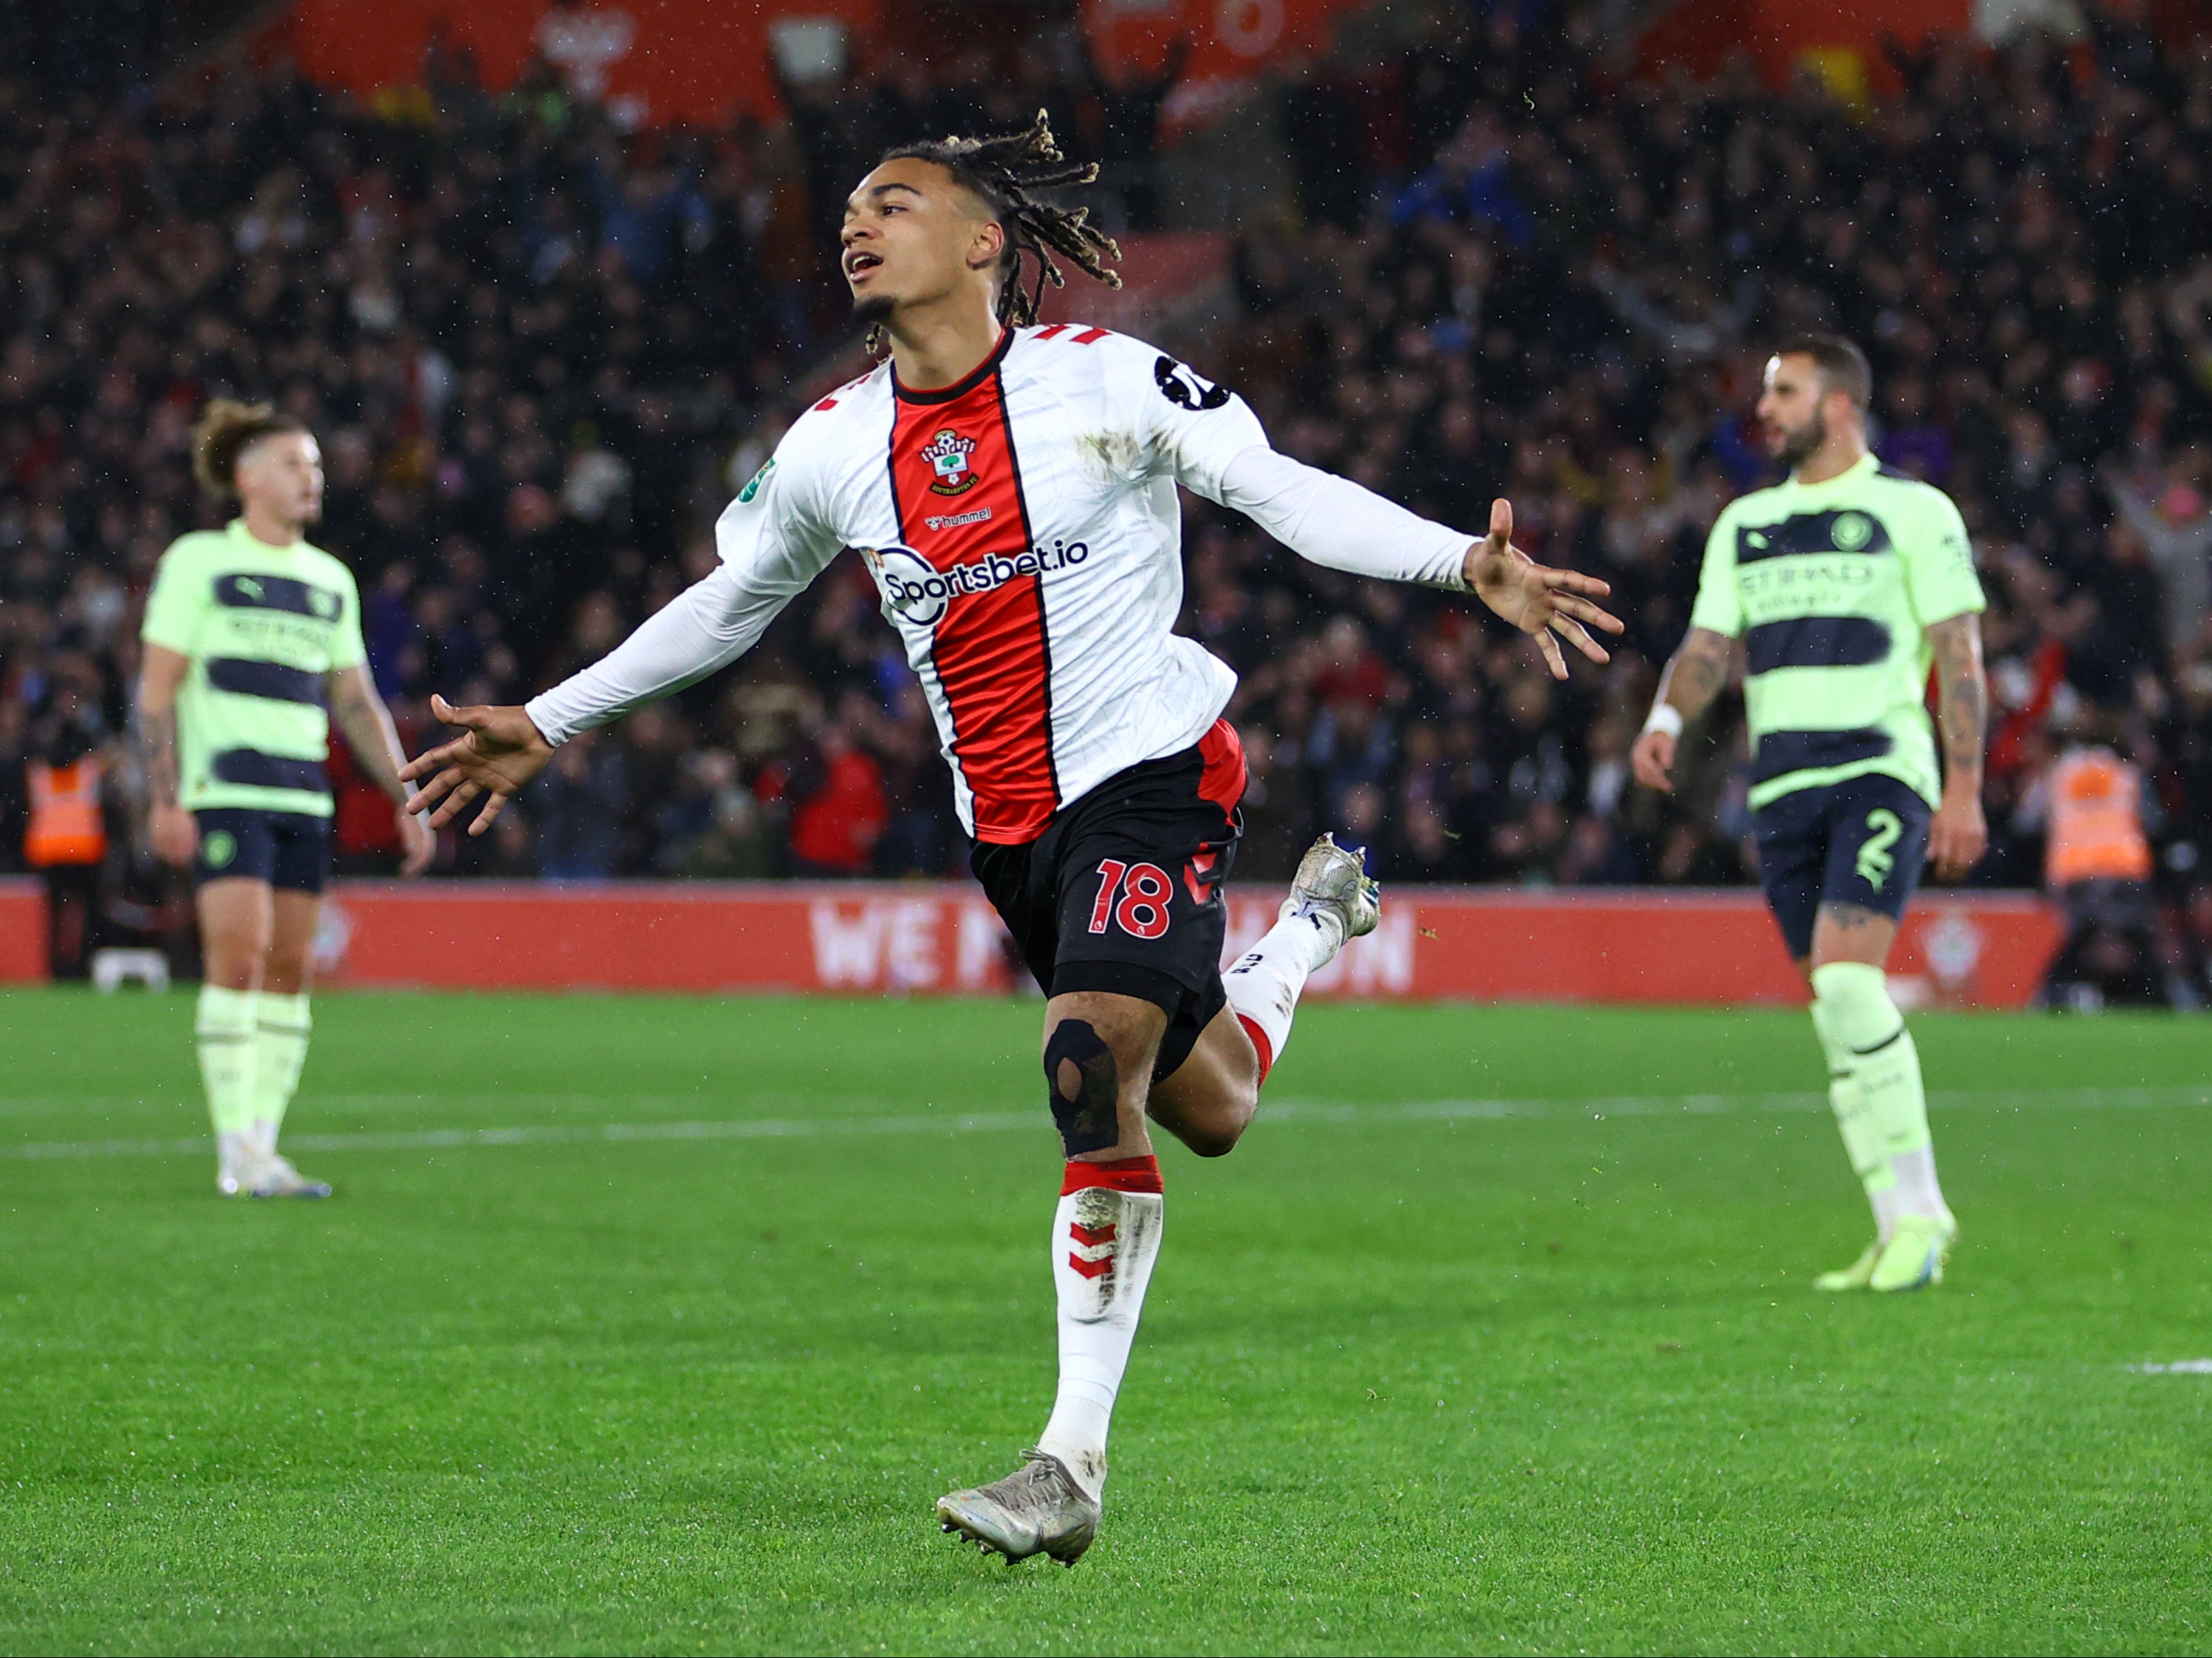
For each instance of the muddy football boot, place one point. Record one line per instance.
(1333, 880)
(1036, 1510)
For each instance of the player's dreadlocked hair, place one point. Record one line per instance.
(224, 433)
(1003, 171)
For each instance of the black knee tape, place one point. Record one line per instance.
(1084, 1087)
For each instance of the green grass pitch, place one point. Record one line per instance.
(659, 1325)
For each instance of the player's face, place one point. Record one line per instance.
(912, 235)
(283, 475)
(1790, 412)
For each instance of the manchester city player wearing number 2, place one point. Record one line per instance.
(1843, 584)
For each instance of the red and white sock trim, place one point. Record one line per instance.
(1261, 1045)
(1264, 985)
(1120, 1174)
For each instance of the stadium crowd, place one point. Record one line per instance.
(542, 351)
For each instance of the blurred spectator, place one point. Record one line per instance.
(714, 829)
(2174, 526)
(837, 810)
(2098, 865)
(64, 763)
(581, 804)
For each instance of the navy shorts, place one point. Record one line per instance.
(1122, 892)
(290, 850)
(1861, 841)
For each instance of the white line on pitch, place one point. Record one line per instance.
(1291, 1110)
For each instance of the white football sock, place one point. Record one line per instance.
(1862, 1134)
(224, 1026)
(1264, 985)
(1919, 1192)
(282, 1026)
(1105, 1237)
(1855, 1011)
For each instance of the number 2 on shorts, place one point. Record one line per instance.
(1145, 890)
(1874, 861)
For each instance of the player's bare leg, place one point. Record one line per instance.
(1881, 1105)
(1208, 1101)
(1099, 1049)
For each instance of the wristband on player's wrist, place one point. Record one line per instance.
(1665, 717)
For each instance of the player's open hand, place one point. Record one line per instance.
(497, 752)
(1539, 601)
(1958, 836)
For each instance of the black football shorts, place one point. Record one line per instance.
(1123, 891)
(290, 850)
(1860, 841)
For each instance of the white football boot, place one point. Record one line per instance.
(275, 1177)
(1036, 1510)
(1333, 884)
(237, 1161)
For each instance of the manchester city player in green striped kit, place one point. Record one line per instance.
(1844, 583)
(253, 646)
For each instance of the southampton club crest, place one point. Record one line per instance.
(947, 454)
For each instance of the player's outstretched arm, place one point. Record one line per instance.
(1335, 522)
(1547, 604)
(705, 628)
(1692, 677)
(1958, 833)
(499, 750)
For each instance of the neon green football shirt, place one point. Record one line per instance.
(262, 625)
(1833, 587)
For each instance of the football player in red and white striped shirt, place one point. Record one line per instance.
(1012, 489)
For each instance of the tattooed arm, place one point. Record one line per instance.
(359, 713)
(1693, 678)
(1958, 835)
(170, 829)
